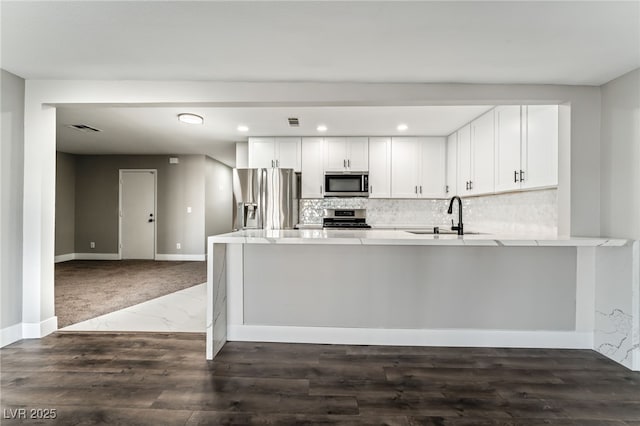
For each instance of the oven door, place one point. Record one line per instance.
(346, 185)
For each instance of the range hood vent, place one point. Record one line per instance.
(84, 128)
(293, 122)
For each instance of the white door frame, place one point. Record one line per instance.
(155, 209)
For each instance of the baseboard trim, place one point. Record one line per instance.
(64, 257)
(410, 337)
(96, 256)
(86, 256)
(10, 334)
(116, 256)
(41, 329)
(181, 257)
(25, 330)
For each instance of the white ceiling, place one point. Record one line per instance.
(563, 42)
(156, 130)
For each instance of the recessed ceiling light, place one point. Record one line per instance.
(402, 127)
(322, 128)
(190, 118)
(242, 128)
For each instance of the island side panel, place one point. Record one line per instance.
(399, 287)
(617, 308)
(217, 296)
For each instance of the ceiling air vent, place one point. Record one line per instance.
(293, 122)
(84, 128)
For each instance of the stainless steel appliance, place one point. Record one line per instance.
(346, 184)
(345, 219)
(264, 199)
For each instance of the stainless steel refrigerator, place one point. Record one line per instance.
(265, 199)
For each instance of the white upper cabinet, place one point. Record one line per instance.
(464, 160)
(540, 146)
(482, 154)
(288, 153)
(507, 148)
(346, 154)
(418, 167)
(262, 152)
(404, 167)
(335, 154)
(358, 154)
(312, 168)
(451, 187)
(432, 167)
(275, 152)
(379, 167)
(526, 147)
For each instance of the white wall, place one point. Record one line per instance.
(620, 157)
(39, 183)
(11, 171)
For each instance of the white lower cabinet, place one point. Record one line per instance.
(312, 168)
(380, 167)
(418, 167)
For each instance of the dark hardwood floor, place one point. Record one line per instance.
(156, 379)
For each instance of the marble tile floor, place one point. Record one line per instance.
(182, 311)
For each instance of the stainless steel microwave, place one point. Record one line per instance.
(346, 184)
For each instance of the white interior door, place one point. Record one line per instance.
(138, 214)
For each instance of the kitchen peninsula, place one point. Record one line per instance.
(393, 287)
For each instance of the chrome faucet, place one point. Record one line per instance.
(458, 228)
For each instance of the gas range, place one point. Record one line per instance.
(345, 219)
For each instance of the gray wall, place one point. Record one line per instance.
(179, 186)
(65, 203)
(620, 157)
(11, 190)
(218, 198)
(439, 287)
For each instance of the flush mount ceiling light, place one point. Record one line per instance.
(321, 128)
(190, 118)
(402, 127)
(243, 128)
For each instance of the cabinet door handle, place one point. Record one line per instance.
(272, 164)
(446, 189)
(416, 189)
(320, 189)
(349, 163)
(370, 189)
(521, 175)
(515, 175)
(421, 189)
(467, 185)
(470, 184)
(277, 163)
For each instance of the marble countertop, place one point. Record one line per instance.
(403, 237)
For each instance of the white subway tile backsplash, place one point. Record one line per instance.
(519, 213)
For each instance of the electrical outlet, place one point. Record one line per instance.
(92, 244)
(178, 246)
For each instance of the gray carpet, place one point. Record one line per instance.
(86, 289)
